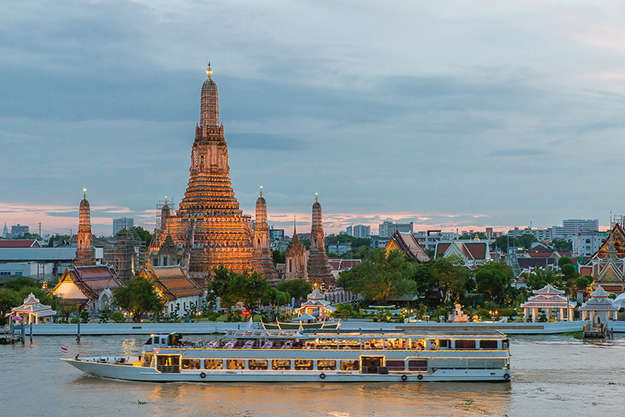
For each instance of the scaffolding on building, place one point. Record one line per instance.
(160, 222)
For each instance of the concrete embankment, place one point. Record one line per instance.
(205, 328)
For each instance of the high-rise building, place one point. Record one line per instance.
(121, 224)
(5, 231)
(319, 273)
(19, 230)
(573, 227)
(362, 231)
(387, 229)
(84, 249)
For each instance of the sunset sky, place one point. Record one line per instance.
(449, 114)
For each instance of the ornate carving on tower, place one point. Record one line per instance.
(318, 267)
(295, 258)
(208, 224)
(84, 249)
(262, 259)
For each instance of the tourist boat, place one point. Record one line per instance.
(326, 325)
(315, 355)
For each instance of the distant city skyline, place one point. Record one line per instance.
(455, 115)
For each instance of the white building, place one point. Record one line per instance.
(589, 243)
(573, 227)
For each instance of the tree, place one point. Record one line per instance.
(562, 245)
(138, 296)
(380, 277)
(298, 288)
(450, 277)
(9, 298)
(250, 289)
(223, 286)
(564, 260)
(143, 234)
(278, 257)
(582, 283)
(493, 278)
(526, 240)
(540, 277)
(569, 272)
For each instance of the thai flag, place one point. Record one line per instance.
(63, 348)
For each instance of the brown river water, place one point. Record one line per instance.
(551, 376)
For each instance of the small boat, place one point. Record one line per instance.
(315, 355)
(327, 325)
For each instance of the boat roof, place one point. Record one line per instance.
(364, 333)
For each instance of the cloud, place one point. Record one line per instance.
(260, 141)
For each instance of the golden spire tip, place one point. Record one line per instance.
(209, 71)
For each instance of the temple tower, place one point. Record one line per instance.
(295, 258)
(319, 273)
(262, 259)
(208, 226)
(84, 249)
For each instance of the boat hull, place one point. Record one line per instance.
(139, 373)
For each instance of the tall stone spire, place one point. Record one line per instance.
(262, 261)
(295, 258)
(319, 273)
(208, 227)
(84, 249)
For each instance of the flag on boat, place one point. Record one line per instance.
(63, 348)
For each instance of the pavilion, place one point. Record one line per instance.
(549, 298)
(32, 311)
(598, 307)
(316, 305)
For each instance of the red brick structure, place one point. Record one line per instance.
(84, 250)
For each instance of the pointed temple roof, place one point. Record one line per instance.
(599, 301)
(80, 284)
(173, 282)
(33, 306)
(548, 290)
(406, 243)
(548, 297)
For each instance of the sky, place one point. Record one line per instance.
(450, 114)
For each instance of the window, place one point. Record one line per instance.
(281, 364)
(149, 342)
(168, 363)
(395, 365)
(326, 365)
(236, 364)
(258, 364)
(504, 344)
(465, 344)
(190, 364)
(417, 365)
(213, 364)
(488, 344)
(444, 344)
(349, 365)
(303, 365)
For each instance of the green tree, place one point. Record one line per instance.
(138, 296)
(569, 272)
(9, 298)
(278, 257)
(526, 240)
(562, 245)
(564, 260)
(380, 277)
(298, 288)
(251, 287)
(143, 234)
(57, 238)
(540, 277)
(450, 277)
(223, 285)
(582, 283)
(493, 278)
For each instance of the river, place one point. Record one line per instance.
(551, 376)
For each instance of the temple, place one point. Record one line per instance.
(296, 258)
(209, 229)
(84, 250)
(262, 260)
(607, 265)
(318, 268)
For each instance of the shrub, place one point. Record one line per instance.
(84, 316)
(508, 312)
(118, 317)
(74, 320)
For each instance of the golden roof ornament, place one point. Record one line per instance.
(316, 197)
(209, 71)
(261, 190)
(84, 193)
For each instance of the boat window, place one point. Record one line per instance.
(395, 365)
(488, 344)
(417, 344)
(326, 365)
(281, 364)
(465, 344)
(168, 363)
(444, 344)
(303, 365)
(350, 365)
(495, 363)
(504, 344)
(236, 364)
(448, 363)
(476, 363)
(146, 360)
(149, 342)
(418, 365)
(258, 364)
(396, 343)
(190, 364)
(213, 364)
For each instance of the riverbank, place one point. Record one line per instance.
(205, 328)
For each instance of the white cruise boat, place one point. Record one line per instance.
(315, 355)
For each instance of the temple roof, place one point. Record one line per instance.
(406, 243)
(548, 290)
(599, 292)
(33, 306)
(173, 282)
